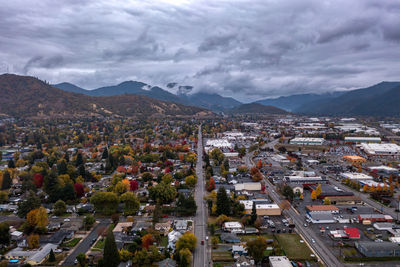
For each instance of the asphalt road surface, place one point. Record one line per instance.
(200, 256)
(86, 244)
(317, 245)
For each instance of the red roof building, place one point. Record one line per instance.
(353, 233)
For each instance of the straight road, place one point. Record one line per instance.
(317, 245)
(86, 244)
(310, 237)
(200, 257)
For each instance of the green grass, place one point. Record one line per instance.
(164, 241)
(294, 250)
(222, 256)
(100, 244)
(72, 243)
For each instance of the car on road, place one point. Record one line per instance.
(206, 238)
(305, 225)
(67, 220)
(312, 240)
(202, 242)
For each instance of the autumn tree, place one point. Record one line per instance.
(163, 193)
(185, 257)
(187, 240)
(105, 202)
(259, 164)
(211, 185)
(131, 203)
(133, 185)
(147, 240)
(318, 190)
(256, 248)
(191, 181)
(217, 156)
(33, 241)
(314, 195)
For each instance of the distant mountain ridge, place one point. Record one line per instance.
(381, 99)
(26, 96)
(257, 108)
(210, 101)
(293, 102)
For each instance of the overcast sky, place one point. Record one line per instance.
(249, 49)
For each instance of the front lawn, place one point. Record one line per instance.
(71, 243)
(294, 250)
(99, 244)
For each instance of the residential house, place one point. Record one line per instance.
(229, 238)
(173, 236)
(163, 227)
(181, 225)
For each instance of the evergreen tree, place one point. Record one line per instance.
(51, 185)
(253, 213)
(62, 167)
(7, 181)
(79, 159)
(66, 156)
(105, 154)
(111, 254)
(30, 203)
(82, 171)
(4, 234)
(52, 257)
(223, 202)
(11, 164)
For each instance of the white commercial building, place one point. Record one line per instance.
(387, 149)
(261, 209)
(218, 143)
(356, 176)
(307, 141)
(233, 227)
(248, 186)
(279, 261)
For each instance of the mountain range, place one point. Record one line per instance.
(209, 101)
(378, 100)
(256, 108)
(25, 96)
(294, 102)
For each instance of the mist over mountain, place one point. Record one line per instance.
(26, 96)
(210, 101)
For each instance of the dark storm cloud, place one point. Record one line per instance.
(353, 27)
(247, 50)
